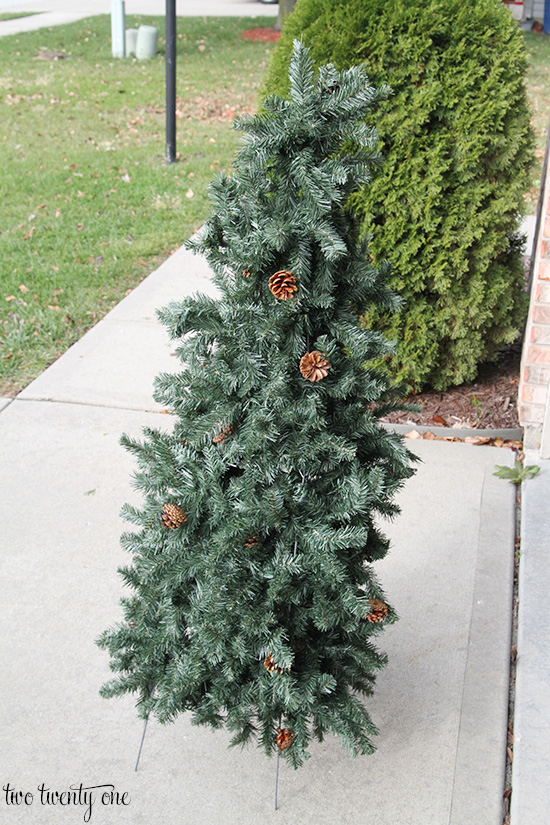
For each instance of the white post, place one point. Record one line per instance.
(146, 44)
(118, 25)
(131, 40)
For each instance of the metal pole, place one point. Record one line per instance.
(170, 81)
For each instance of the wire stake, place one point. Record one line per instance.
(277, 778)
(277, 768)
(141, 744)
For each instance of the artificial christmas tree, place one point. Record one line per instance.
(255, 611)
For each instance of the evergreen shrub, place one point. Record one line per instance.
(457, 146)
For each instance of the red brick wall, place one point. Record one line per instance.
(535, 365)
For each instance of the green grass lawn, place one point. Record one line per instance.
(15, 15)
(88, 206)
(538, 89)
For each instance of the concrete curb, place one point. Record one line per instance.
(530, 802)
(511, 434)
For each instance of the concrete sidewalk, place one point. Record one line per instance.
(58, 12)
(441, 704)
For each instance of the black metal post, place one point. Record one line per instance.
(170, 81)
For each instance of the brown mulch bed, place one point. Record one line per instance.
(490, 402)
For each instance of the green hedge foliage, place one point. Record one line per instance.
(457, 145)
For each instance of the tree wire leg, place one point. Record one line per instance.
(277, 778)
(277, 768)
(141, 743)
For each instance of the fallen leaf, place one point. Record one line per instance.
(189, 193)
(57, 213)
(29, 234)
(413, 434)
(438, 419)
(126, 178)
(478, 440)
(428, 436)
(55, 268)
(80, 226)
(23, 288)
(10, 298)
(50, 306)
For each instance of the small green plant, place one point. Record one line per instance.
(517, 473)
(476, 404)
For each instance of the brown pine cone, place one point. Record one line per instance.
(283, 284)
(314, 366)
(223, 434)
(284, 739)
(271, 665)
(378, 611)
(173, 516)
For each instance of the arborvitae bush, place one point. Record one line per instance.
(457, 146)
(255, 603)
